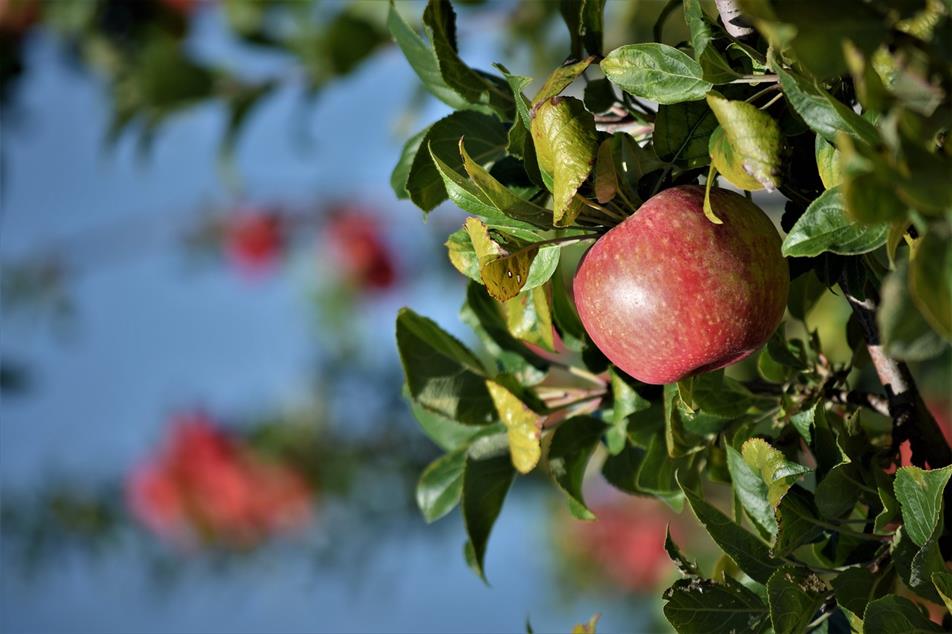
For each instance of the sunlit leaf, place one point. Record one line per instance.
(753, 141)
(920, 497)
(441, 485)
(657, 72)
(826, 227)
(523, 426)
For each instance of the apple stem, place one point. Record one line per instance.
(755, 79)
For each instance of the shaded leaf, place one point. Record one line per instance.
(827, 163)
(751, 554)
(796, 522)
(682, 133)
(794, 595)
(702, 606)
(906, 335)
(896, 615)
(626, 402)
(930, 281)
(443, 376)
(572, 445)
(497, 195)
(485, 484)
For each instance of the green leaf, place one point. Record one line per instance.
(916, 564)
(796, 522)
(486, 140)
(802, 421)
(401, 172)
(837, 493)
(423, 59)
(795, 595)
(621, 471)
(560, 79)
(485, 484)
(657, 72)
(930, 281)
(657, 474)
(920, 497)
(702, 606)
(825, 227)
(445, 432)
(523, 427)
(497, 195)
(572, 445)
(626, 402)
(906, 335)
(896, 615)
(529, 319)
(751, 554)
(753, 138)
(481, 313)
(728, 164)
(824, 114)
(827, 163)
(682, 133)
(751, 492)
(777, 473)
(443, 376)
(854, 588)
(943, 583)
(441, 485)
(715, 67)
(565, 140)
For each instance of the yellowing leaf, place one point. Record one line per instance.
(503, 273)
(728, 163)
(528, 318)
(754, 138)
(523, 427)
(776, 472)
(566, 143)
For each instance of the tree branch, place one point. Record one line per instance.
(735, 23)
(911, 418)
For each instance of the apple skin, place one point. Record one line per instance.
(667, 293)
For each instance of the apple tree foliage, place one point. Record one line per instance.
(823, 483)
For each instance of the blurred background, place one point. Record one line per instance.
(201, 420)
(201, 260)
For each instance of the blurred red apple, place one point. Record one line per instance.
(182, 7)
(17, 16)
(627, 543)
(254, 239)
(359, 249)
(667, 293)
(204, 486)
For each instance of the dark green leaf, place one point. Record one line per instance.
(837, 493)
(896, 615)
(796, 522)
(565, 315)
(702, 606)
(626, 402)
(682, 131)
(794, 595)
(441, 485)
(855, 587)
(486, 140)
(751, 554)
(621, 471)
(572, 445)
(401, 172)
(475, 87)
(715, 67)
(443, 376)
(685, 566)
(826, 227)
(485, 484)
(657, 72)
(823, 113)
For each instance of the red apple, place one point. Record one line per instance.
(359, 249)
(667, 293)
(255, 239)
